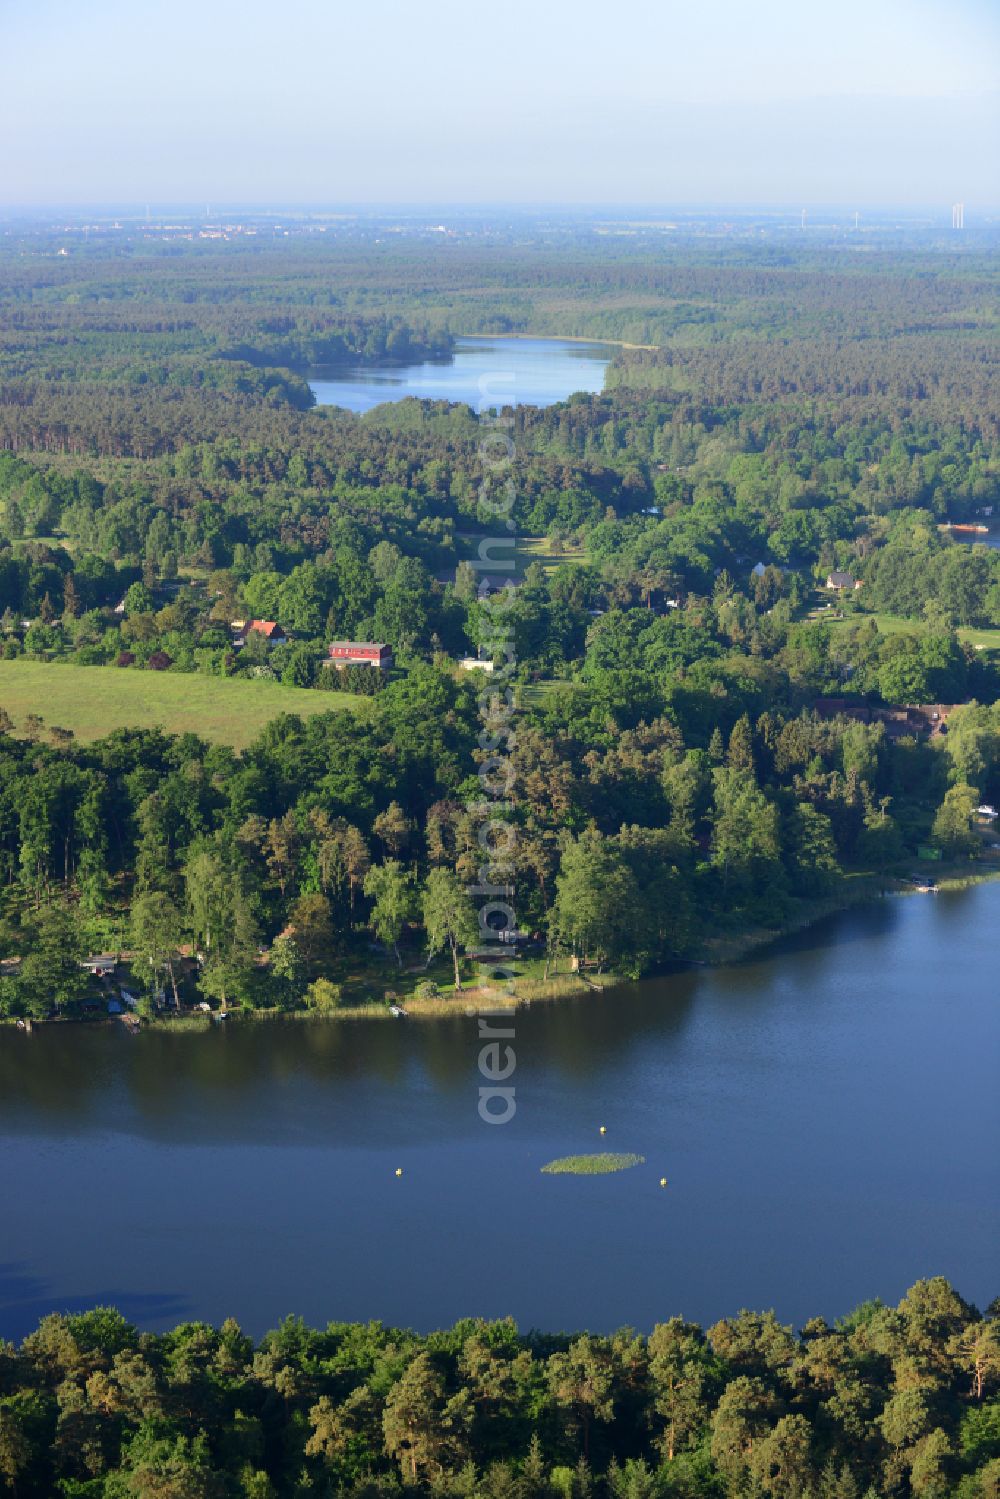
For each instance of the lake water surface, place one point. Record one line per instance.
(483, 372)
(827, 1116)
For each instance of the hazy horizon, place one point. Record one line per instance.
(424, 208)
(891, 102)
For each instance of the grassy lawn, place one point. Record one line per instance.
(93, 700)
(534, 694)
(537, 549)
(527, 549)
(987, 639)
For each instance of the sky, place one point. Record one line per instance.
(853, 102)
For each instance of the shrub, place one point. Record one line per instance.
(323, 995)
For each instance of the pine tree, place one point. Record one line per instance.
(71, 598)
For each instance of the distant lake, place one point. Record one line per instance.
(826, 1114)
(988, 538)
(483, 372)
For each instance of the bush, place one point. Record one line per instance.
(426, 989)
(323, 995)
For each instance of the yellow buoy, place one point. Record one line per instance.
(603, 1130)
(663, 1181)
(399, 1170)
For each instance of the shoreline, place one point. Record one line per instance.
(719, 952)
(570, 338)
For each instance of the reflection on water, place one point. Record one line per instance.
(804, 1106)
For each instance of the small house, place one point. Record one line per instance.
(102, 965)
(270, 629)
(360, 653)
(840, 581)
(473, 663)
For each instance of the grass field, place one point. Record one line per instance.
(987, 639)
(534, 694)
(93, 700)
(527, 549)
(538, 549)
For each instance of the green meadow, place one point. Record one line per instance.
(93, 700)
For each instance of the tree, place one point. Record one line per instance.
(879, 842)
(322, 995)
(312, 930)
(281, 848)
(169, 1467)
(448, 917)
(15, 1446)
(739, 755)
(221, 919)
(231, 962)
(812, 850)
(680, 1367)
(390, 889)
(422, 1428)
(745, 839)
(741, 1418)
(157, 933)
(50, 974)
(581, 1382)
(594, 908)
(393, 828)
(138, 600)
(952, 829)
(977, 1349)
(336, 1429)
(287, 966)
(152, 857)
(71, 598)
(781, 1462)
(384, 558)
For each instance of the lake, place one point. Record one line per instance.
(988, 538)
(483, 372)
(827, 1116)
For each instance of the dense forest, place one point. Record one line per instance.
(708, 734)
(887, 1402)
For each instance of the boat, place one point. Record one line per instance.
(923, 884)
(967, 526)
(397, 1011)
